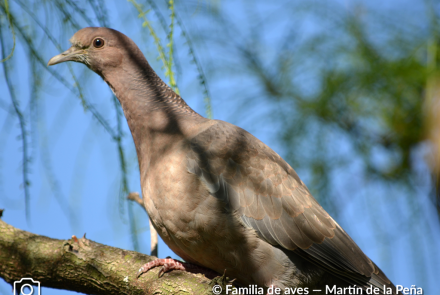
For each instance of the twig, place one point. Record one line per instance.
(153, 233)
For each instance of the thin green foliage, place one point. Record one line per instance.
(167, 58)
(6, 6)
(100, 11)
(201, 74)
(23, 132)
(76, 90)
(162, 54)
(169, 70)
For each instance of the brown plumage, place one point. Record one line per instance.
(218, 196)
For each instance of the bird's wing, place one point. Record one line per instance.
(252, 179)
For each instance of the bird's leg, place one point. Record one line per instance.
(173, 264)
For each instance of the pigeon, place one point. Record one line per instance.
(220, 198)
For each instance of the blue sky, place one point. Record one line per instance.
(85, 165)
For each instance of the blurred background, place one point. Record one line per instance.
(348, 92)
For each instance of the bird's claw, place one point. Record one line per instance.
(169, 264)
(161, 271)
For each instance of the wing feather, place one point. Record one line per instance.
(250, 178)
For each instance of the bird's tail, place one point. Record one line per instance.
(379, 280)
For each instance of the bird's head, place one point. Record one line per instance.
(101, 49)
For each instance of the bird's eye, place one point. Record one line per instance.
(98, 42)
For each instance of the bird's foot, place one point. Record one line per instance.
(169, 264)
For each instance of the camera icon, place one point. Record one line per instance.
(19, 287)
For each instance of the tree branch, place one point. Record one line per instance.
(85, 266)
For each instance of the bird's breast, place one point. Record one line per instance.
(171, 197)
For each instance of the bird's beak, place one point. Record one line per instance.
(71, 54)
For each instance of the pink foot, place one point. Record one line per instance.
(173, 264)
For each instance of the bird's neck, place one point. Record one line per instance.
(156, 115)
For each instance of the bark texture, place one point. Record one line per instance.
(85, 266)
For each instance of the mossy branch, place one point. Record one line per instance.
(85, 266)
